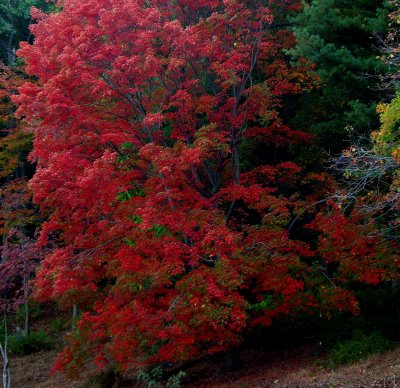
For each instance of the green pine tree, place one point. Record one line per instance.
(14, 21)
(339, 37)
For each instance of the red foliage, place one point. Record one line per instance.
(356, 247)
(19, 257)
(19, 253)
(169, 248)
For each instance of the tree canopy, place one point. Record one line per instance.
(342, 39)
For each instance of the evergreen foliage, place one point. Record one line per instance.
(14, 25)
(339, 37)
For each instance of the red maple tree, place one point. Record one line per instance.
(168, 239)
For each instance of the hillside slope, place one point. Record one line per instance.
(292, 368)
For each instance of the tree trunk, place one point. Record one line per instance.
(396, 295)
(232, 360)
(4, 355)
(26, 296)
(26, 323)
(74, 315)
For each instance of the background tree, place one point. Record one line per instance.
(18, 217)
(340, 38)
(14, 21)
(370, 167)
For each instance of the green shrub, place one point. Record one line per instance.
(58, 324)
(106, 379)
(358, 348)
(151, 378)
(34, 311)
(32, 343)
(175, 380)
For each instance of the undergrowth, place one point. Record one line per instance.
(358, 348)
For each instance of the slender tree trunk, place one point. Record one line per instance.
(11, 52)
(235, 161)
(396, 295)
(235, 172)
(232, 360)
(26, 306)
(26, 276)
(4, 355)
(395, 285)
(74, 315)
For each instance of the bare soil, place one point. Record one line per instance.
(299, 368)
(296, 367)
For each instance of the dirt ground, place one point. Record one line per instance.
(296, 367)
